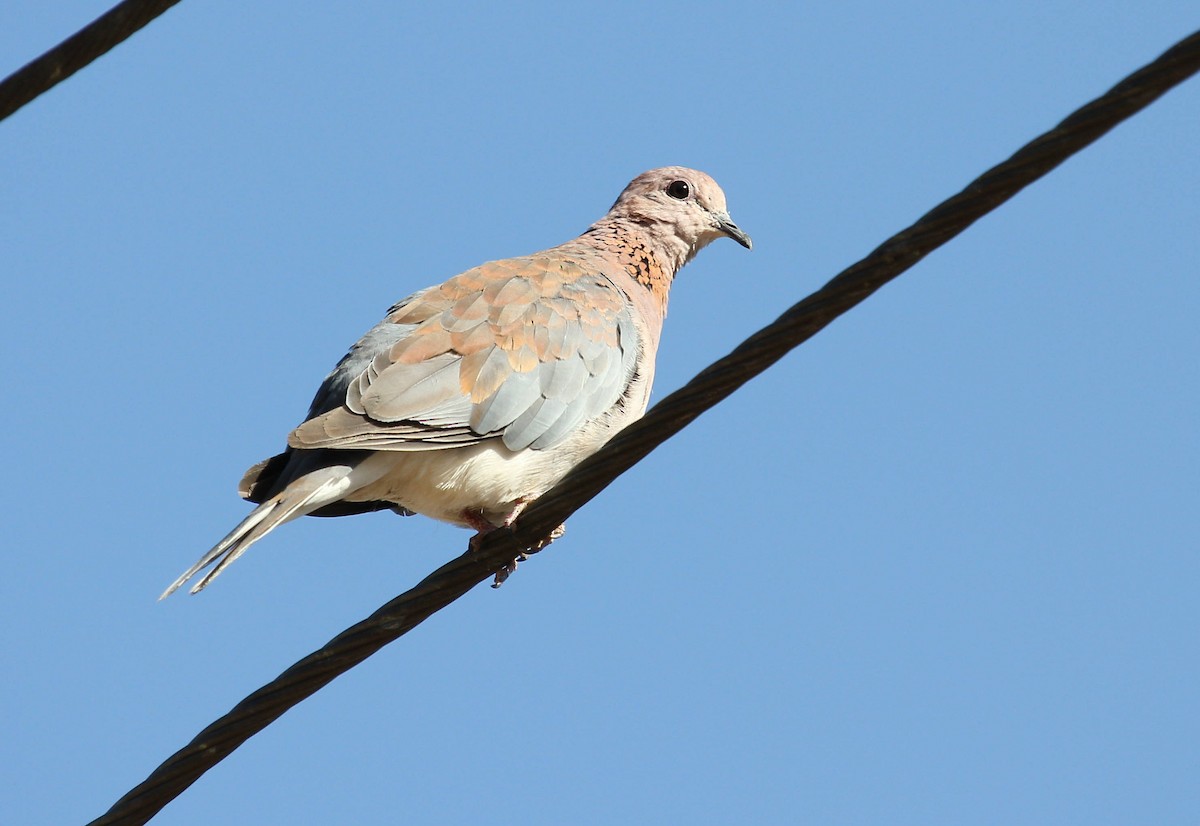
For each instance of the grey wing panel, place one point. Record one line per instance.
(377, 341)
(577, 389)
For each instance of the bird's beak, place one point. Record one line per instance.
(727, 226)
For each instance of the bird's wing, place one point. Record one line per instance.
(527, 349)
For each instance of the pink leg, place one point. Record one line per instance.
(483, 526)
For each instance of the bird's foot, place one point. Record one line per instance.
(509, 569)
(483, 527)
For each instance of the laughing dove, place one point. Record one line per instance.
(474, 397)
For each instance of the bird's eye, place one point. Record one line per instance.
(679, 190)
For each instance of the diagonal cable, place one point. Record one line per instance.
(102, 34)
(752, 357)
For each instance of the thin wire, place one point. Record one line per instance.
(716, 382)
(78, 50)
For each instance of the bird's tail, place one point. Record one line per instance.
(302, 496)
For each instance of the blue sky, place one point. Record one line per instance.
(938, 566)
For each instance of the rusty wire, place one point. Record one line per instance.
(752, 357)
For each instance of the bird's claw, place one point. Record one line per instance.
(509, 569)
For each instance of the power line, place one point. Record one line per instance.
(756, 354)
(106, 31)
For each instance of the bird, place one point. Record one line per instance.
(473, 397)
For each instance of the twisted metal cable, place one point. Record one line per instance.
(752, 357)
(106, 31)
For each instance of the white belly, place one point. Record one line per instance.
(487, 478)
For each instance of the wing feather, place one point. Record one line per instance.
(527, 349)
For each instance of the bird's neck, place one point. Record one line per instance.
(651, 258)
